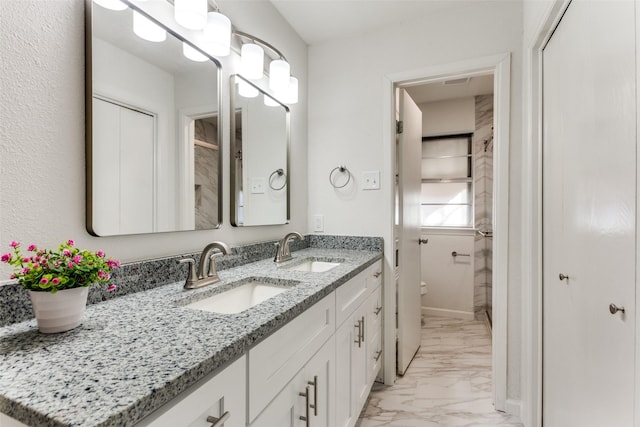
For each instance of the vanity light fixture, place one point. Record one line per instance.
(193, 54)
(247, 90)
(216, 36)
(191, 14)
(251, 61)
(279, 75)
(144, 28)
(111, 4)
(291, 94)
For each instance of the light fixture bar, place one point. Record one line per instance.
(259, 41)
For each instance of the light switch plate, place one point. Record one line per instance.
(258, 186)
(318, 223)
(371, 180)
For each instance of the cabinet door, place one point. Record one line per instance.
(320, 375)
(351, 368)
(307, 400)
(223, 393)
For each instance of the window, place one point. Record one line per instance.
(447, 181)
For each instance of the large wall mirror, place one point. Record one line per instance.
(153, 128)
(259, 156)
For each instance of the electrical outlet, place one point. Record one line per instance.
(258, 186)
(318, 223)
(371, 180)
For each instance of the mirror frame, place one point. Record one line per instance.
(235, 145)
(89, 120)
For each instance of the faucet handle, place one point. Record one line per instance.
(212, 264)
(191, 277)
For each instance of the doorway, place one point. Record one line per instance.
(500, 67)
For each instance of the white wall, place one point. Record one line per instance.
(42, 131)
(448, 117)
(346, 114)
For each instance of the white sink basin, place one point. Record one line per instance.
(238, 299)
(314, 266)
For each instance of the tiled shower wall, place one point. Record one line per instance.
(483, 181)
(206, 176)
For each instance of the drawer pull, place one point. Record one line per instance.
(362, 330)
(314, 383)
(377, 274)
(219, 422)
(378, 310)
(306, 418)
(358, 339)
(378, 354)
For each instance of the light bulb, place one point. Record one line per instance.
(191, 14)
(270, 102)
(148, 30)
(251, 61)
(193, 54)
(217, 34)
(111, 4)
(246, 90)
(279, 75)
(291, 94)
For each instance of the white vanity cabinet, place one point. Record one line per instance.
(307, 400)
(221, 395)
(356, 344)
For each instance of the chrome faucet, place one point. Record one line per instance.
(207, 259)
(283, 253)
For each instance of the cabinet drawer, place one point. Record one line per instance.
(353, 293)
(212, 396)
(374, 313)
(277, 359)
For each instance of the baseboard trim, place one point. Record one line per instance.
(443, 312)
(513, 407)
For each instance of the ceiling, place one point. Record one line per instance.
(317, 21)
(452, 89)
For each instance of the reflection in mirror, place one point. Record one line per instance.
(259, 156)
(153, 158)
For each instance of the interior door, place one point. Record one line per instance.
(589, 216)
(410, 155)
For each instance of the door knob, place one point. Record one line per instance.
(563, 277)
(614, 309)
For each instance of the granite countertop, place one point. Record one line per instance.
(135, 353)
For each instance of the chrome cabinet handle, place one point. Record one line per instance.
(377, 274)
(377, 356)
(358, 339)
(563, 277)
(378, 310)
(306, 418)
(613, 309)
(314, 383)
(219, 422)
(362, 330)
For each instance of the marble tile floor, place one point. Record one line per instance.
(447, 384)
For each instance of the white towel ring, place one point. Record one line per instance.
(279, 172)
(341, 169)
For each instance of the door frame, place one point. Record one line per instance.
(500, 66)
(532, 218)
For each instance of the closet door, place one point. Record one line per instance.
(589, 216)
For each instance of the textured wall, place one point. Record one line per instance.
(42, 131)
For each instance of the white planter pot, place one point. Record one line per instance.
(61, 311)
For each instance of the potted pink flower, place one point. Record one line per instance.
(58, 281)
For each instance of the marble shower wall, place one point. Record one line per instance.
(206, 174)
(483, 182)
